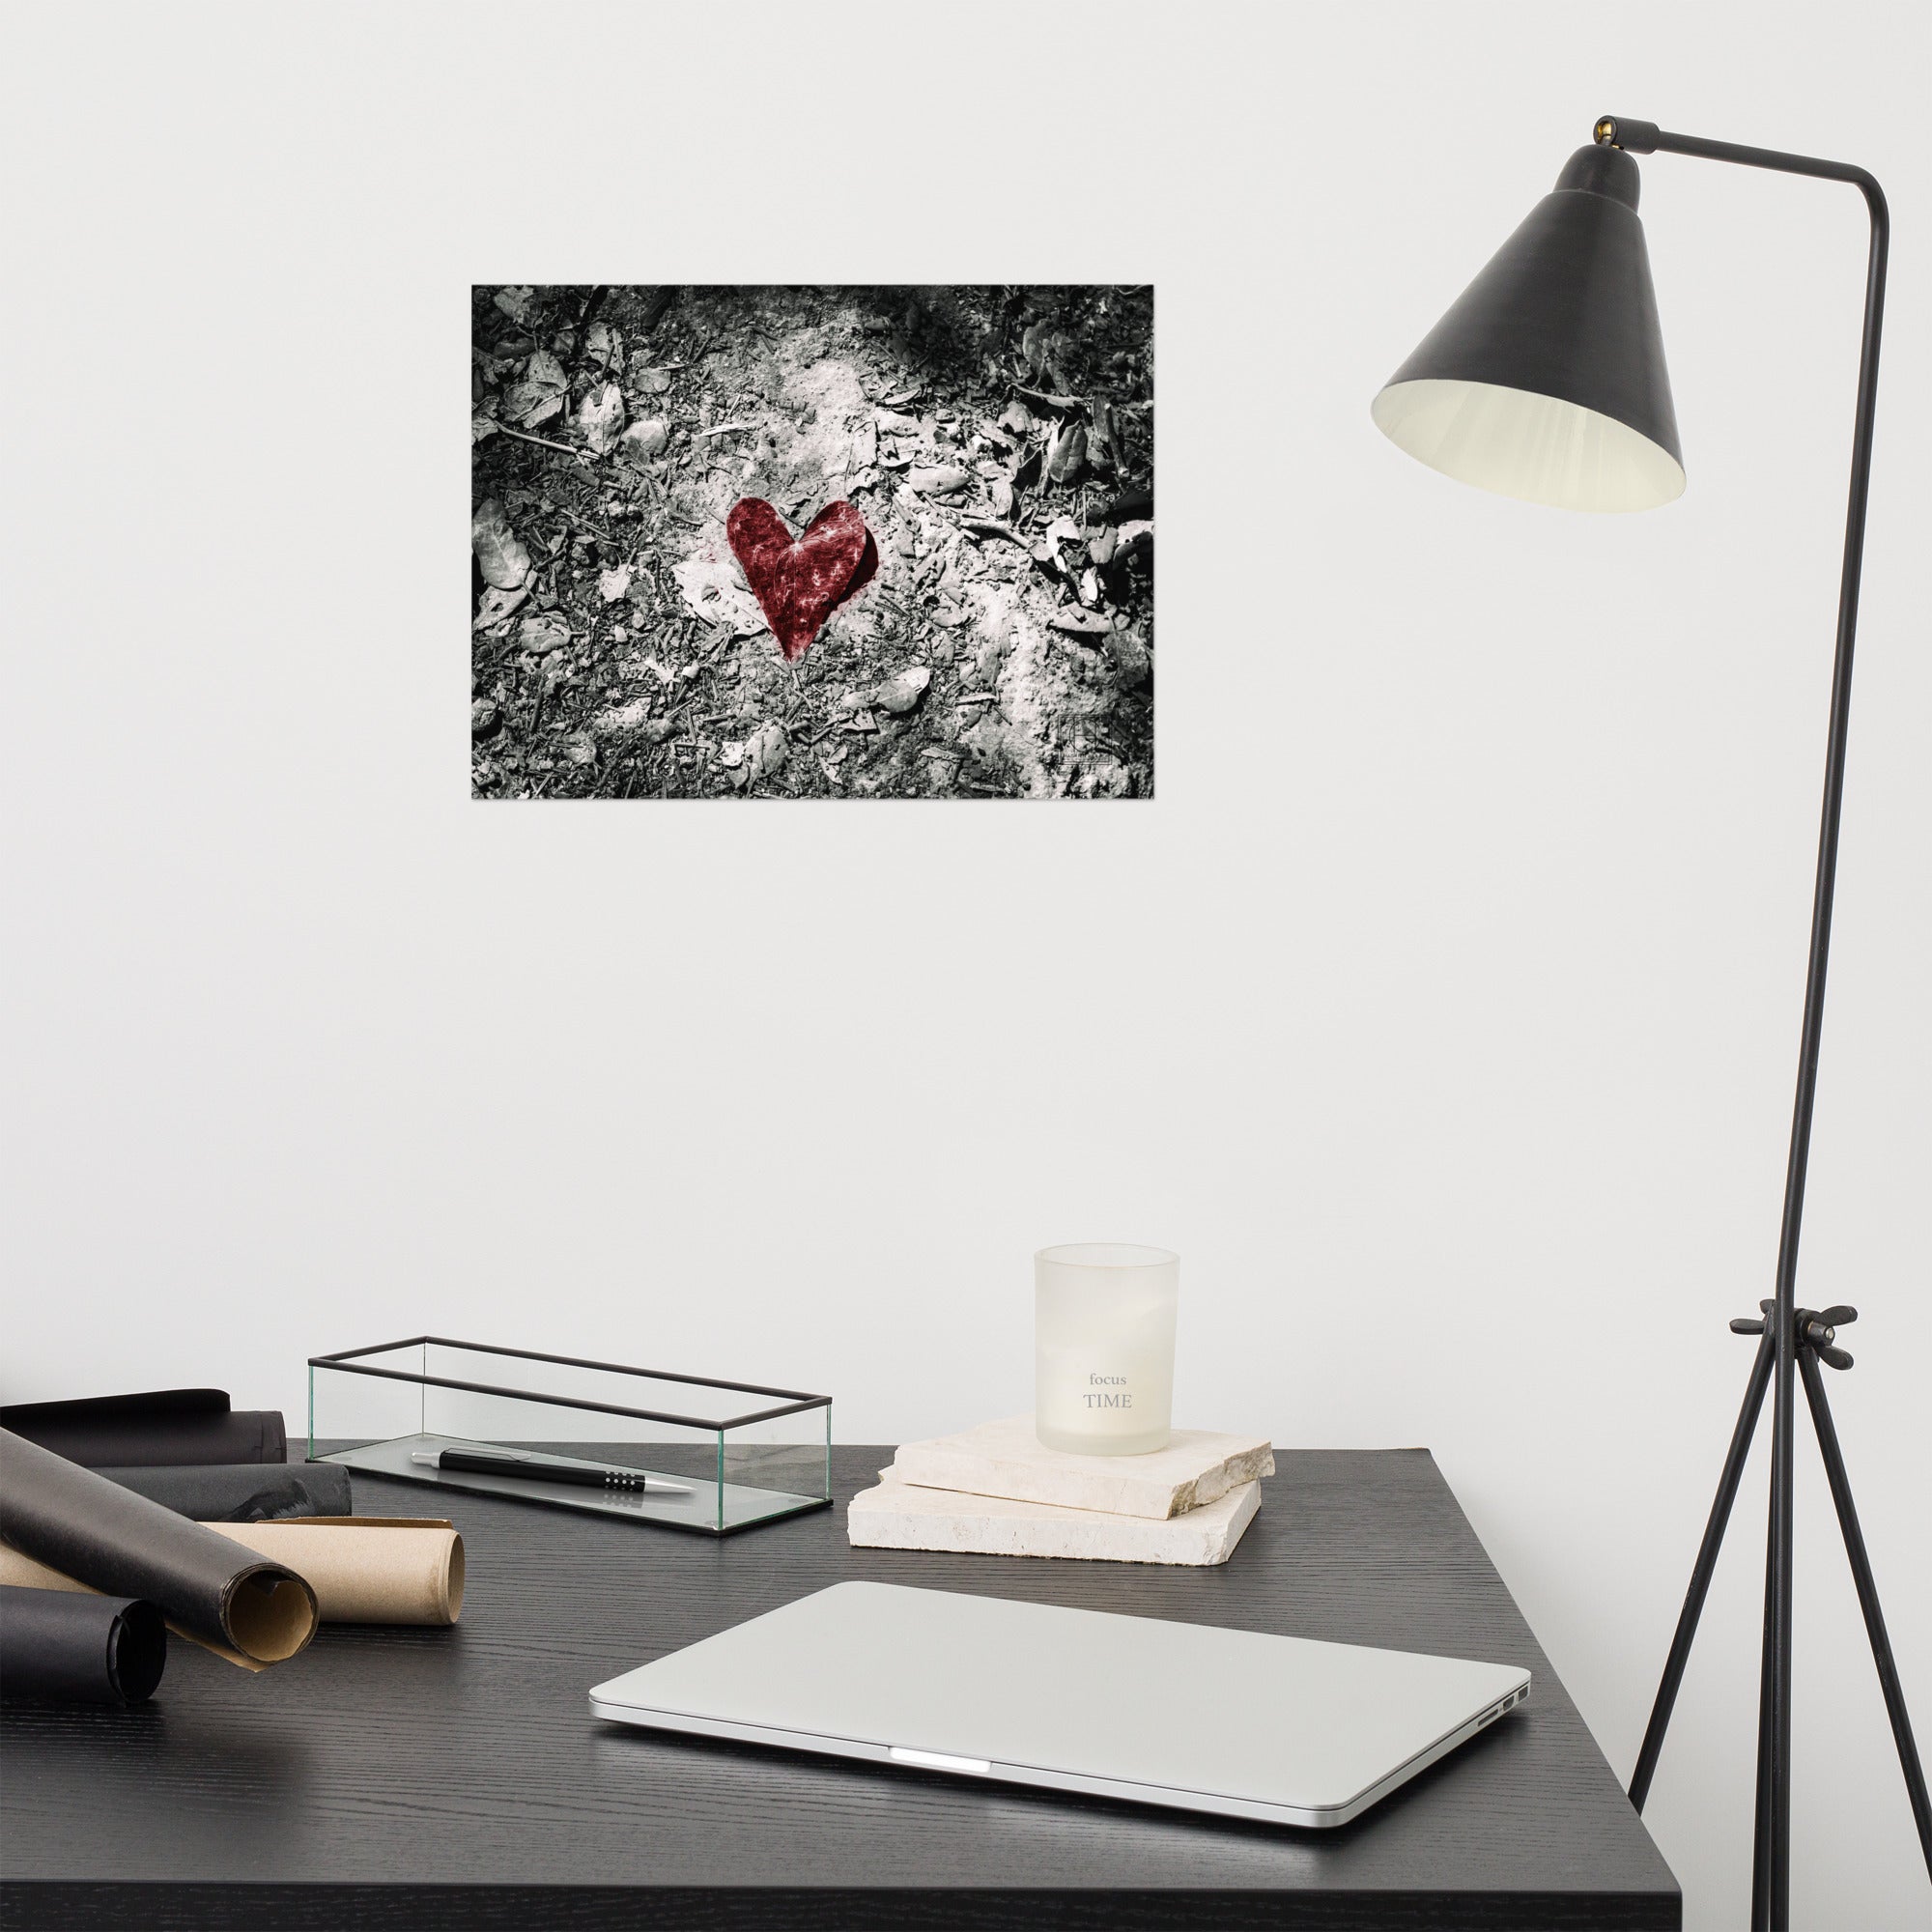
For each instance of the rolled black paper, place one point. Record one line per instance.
(207, 1587)
(242, 1491)
(158, 1427)
(80, 1649)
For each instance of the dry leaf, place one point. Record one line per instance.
(1080, 623)
(601, 418)
(766, 748)
(1066, 452)
(542, 635)
(603, 345)
(503, 561)
(496, 605)
(614, 582)
(539, 396)
(1050, 401)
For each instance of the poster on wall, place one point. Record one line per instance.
(812, 543)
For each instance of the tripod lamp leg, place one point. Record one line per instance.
(1701, 1574)
(1868, 1588)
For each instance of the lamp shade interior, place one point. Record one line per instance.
(1545, 379)
(1520, 444)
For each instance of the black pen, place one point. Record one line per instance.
(532, 1468)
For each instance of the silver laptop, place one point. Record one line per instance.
(1279, 1728)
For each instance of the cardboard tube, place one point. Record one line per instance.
(88, 1533)
(366, 1570)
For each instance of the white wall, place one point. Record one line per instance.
(1442, 1009)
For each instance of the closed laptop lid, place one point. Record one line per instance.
(1278, 1722)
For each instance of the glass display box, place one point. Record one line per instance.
(683, 1452)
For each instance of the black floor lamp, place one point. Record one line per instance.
(1547, 382)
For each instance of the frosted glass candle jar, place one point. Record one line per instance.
(1103, 1347)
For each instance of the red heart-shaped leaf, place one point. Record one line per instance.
(799, 584)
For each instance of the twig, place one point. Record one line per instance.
(986, 526)
(726, 429)
(524, 435)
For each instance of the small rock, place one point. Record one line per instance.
(945, 479)
(646, 438)
(485, 718)
(650, 382)
(901, 695)
(578, 749)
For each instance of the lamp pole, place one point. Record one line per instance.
(1795, 1344)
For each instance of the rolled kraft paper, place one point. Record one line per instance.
(242, 1491)
(367, 1569)
(159, 1426)
(84, 1528)
(79, 1649)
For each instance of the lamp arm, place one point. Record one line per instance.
(1771, 1905)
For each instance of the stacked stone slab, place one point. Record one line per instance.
(996, 1490)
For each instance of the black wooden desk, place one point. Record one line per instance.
(429, 1779)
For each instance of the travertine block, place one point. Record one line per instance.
(1006, 1459)
(903, 1515)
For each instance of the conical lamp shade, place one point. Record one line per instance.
(1546, 381)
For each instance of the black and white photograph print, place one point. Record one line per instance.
(801, 542)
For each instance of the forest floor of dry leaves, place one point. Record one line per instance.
(999, 443)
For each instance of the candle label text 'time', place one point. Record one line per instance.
(1108, 1392)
